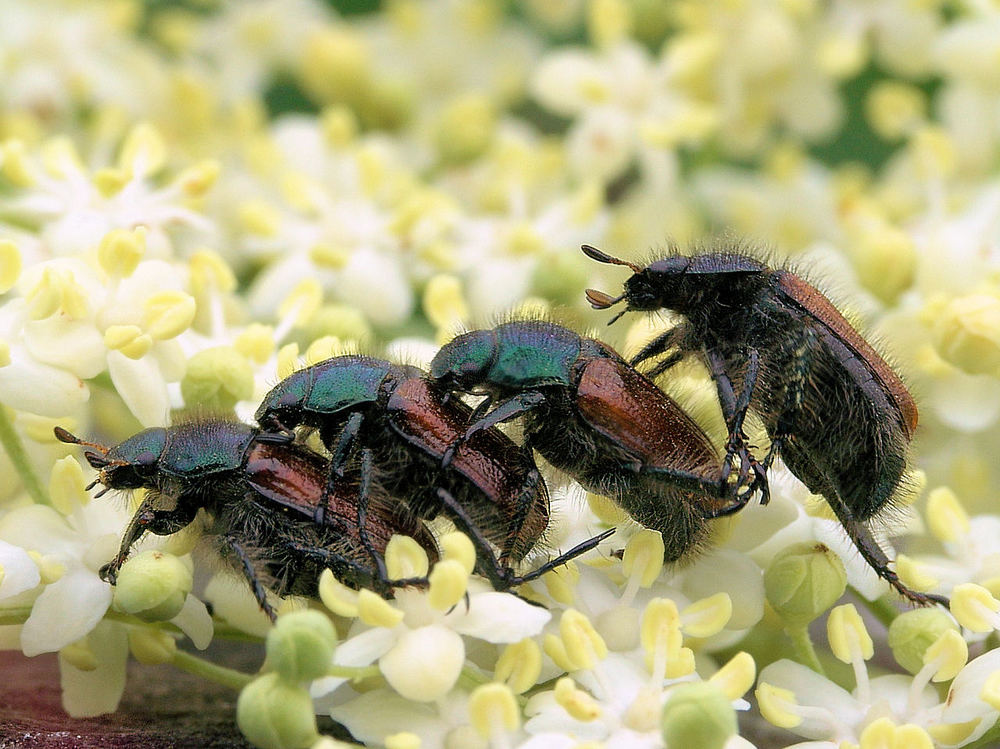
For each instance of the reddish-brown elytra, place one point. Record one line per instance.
(593, 416)
(837, 413)
(491, 489)
(261, 499)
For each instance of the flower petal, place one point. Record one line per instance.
(90, 693)
(195, 621)
(498, 617)
(365, 648)
(20, 573)
(380, 713)
(142, 387)
(65, 611)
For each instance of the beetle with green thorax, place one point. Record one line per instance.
(593, 416)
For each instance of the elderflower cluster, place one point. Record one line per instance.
(198, 199)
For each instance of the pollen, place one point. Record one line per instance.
(975, 608)
(493, 710)
(777, 705)
(404, 558)
(519, 665)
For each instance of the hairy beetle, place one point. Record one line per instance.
(593, 416)
(260, 498)
(836, 412)
(492, 489)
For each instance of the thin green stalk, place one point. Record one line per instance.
(14, 448)
(15, 615)
(880, 608)
(804, 650)
(227, 677)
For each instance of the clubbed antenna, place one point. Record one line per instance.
(602, 257)
(96, 460)
(600, 300)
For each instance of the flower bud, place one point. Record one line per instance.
(274, 714)
(153, 586)
(698, 714)
(217, 378)
(300, 647)
(912, 632)
(151, 646)
(803, 581)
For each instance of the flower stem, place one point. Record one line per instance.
(804, 649)
(228, 677)
(14, 448)
(880, 608)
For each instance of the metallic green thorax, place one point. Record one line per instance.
(196, 449)
(534, 353)
(326, 388)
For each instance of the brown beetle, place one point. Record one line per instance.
(836, 412)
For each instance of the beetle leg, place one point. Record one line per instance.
(250, 573)
(340, 453)
(794, 391)
(497, 574)
(147, 518)
(477, 413)
(343, 567)
(866, 543)
(501, 576)
(364, 495)
(677, 337)
(521, 508)
(509, 409)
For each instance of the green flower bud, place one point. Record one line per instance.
(216, 379)
(912, 632)
(803, 581)
(151, 646)
(339, 321)
(698, 714)
(300, 646)
(153, 586)
(560, 278)
(274, 714)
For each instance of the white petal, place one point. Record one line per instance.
(380, 713)
(365, 648)
(28, 385)
(388, 302)
(498, 617)
(73, 345)
(89, 693)
(725, 570)
(425, 663)
(141, 386)
(963, 702)
(814, 690)
(65, 611)
(549, 741)
(195, 621)
(40, 528)
(20, 573)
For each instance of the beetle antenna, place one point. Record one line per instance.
(602, 257)
(64, 435)
(600, 300)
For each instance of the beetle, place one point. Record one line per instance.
(260, 495)
(836, 412)
(593, 416)
(492, 489)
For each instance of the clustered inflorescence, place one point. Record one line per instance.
(197, 199)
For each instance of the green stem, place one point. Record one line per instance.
(227, 677)
(14, 448)
(804, 649)
(15, 615)
(880, 608)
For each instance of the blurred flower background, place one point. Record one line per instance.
(196, 198)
